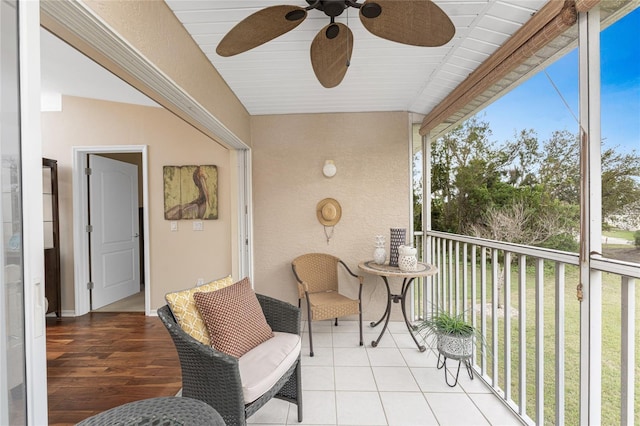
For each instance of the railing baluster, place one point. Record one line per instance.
(540, 341)
(447, 266)
(627, 356)
(474, 279)
(450, 275)
(441, 274)
(457, 272)
(495, 267)
(417, 303)
(522, 325)
(423, 281)
(483, 301)
(433, 280)
(438, 281)
(423, 288)
(507, 326)
(449, 283)
(465, 281)
(560, 360)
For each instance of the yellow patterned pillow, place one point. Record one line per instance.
(184, 308)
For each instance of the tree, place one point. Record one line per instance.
(523, 159)
(522, 191)
(502, 192)
(560, 167)
(560, 173)
(457, 159)
(527, 221)
(620, 184)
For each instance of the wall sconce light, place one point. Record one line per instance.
(329, 169)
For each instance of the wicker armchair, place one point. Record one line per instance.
(214, 377)
(317, 276)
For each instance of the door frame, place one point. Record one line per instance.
(81, 262)
(244, 265)
(32, 213)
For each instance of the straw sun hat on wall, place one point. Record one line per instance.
(329, 211)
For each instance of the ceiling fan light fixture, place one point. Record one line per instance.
(371, 10)
(333, 8)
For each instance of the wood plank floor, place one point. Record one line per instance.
(102, 360)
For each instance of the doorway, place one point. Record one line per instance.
(115, 240)
(82, 217)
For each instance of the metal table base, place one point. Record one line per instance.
(385, 271)
(396, 298)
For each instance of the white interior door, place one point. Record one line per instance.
(113, 210)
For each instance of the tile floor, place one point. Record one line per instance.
(392, 384)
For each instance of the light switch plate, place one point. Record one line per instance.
(197, 225)
(174, 225)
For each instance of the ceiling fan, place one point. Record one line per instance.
(412, 22)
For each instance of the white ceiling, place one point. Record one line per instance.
(64, 70)
(277, 78)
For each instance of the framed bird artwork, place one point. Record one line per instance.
(190, 192)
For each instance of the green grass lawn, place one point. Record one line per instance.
(619, 233)
(611, 346)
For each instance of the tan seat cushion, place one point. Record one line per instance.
(185, 312)
(262, 366)
(330, 304)
(234, 318)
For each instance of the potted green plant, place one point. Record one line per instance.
(455, 339)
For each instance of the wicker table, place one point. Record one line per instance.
(385, 271)
(163, 411)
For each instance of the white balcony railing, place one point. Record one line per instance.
(525, 302)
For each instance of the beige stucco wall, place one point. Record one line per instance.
(371, 152)
(177, 259)
(153, 30)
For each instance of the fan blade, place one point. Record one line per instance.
(413, 22)
(330, 54)
(260, 27)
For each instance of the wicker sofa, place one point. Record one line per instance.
(214, 377)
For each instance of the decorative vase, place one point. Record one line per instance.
(380, 254)
(398, 238)
(407, 260)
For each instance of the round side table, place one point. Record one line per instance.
(163, 411)
(385, 272)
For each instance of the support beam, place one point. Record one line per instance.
(427, 246)
(590, 288)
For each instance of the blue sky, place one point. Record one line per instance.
(536, 105)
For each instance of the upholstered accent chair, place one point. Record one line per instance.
(238, 387)
(317, 277)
